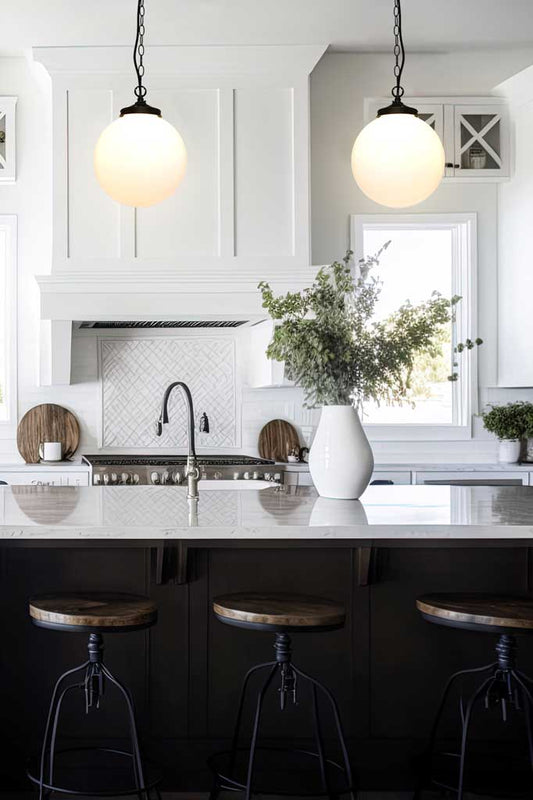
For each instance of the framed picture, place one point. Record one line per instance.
(7, 140)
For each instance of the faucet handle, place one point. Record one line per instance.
(159, 427)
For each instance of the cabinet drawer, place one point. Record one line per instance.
(472, 478)
(50, 478)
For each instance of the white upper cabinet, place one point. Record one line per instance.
(243, 207)
(473, 130)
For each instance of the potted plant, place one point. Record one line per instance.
(341, 357)
(510, 423)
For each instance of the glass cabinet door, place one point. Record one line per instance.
(432, 114)
(481, 141)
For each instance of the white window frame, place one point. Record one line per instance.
(8, 225)
(464, 283)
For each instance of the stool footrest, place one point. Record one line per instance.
(84, 765)
(228, 779)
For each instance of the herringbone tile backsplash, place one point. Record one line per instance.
(134, 374)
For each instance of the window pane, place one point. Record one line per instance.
(416, 263)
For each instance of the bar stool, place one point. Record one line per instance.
(281, 614)
(93, 613)
(501, 683)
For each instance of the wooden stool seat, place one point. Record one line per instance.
(279, 612)
(484, 612)
(93, 611)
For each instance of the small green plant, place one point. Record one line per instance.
(338, 354)
(511, 421)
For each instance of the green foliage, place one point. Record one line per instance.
(337, 353)
(512, 421)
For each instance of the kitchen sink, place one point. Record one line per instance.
(233, 486)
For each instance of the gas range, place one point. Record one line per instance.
(135, 470)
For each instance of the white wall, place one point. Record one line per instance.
(338, 86)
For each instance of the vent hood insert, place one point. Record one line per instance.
(176, 323)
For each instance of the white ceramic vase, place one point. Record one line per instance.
(340, 459)
(509, 451)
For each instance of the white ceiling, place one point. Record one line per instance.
(359, 25)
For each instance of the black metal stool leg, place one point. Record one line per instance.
(464, 737)
(338, 724)
(255, 733)
(238, 718)
(430, 749)
(53, 735)
(51, 711)
(320, 745)
(136, 754)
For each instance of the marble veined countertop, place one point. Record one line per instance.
(155, 513)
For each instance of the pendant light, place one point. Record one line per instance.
(140, 158)
(398, 159)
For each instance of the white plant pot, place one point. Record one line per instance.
(509, 451)
(340, 459)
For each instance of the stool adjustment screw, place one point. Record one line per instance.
(94, 677)
(283, 650)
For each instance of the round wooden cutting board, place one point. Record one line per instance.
(277, 439)
(47, 423)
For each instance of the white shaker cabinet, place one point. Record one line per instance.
(474, 132)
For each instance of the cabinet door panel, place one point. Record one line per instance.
(93, 218)
(264, 172)
(188, 222)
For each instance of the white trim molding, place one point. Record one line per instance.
(464, 283)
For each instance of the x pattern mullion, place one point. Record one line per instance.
(478, 136)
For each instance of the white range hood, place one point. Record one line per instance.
(240, 216)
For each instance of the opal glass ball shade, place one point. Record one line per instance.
(398, 160)
(140, 159)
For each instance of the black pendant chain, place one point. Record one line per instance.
(397, 107)
(138, 53)
(399, 52)
(140, 106)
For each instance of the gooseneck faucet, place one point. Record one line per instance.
(192, 473)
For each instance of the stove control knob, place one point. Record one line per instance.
(257, 475)
(277, 477)
(267, 476)
(177, 478)
(135, 479)
(106, 479)
(246, 476)
(97, 480)
(165, 477)
(236, 476)
(125, 478)
(154, 477)
(114, 477)
(217, 475)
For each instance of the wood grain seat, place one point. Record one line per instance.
(484, 612)
(279, 612)
(93, 611)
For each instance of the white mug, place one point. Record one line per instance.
(50, 451)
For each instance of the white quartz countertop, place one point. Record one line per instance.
(164, 513)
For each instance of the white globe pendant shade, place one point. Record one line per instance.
(398, 160)
(140, 159)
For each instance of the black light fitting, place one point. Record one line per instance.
(140, 106)
(397, 107)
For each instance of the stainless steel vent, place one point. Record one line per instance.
(176, 323)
